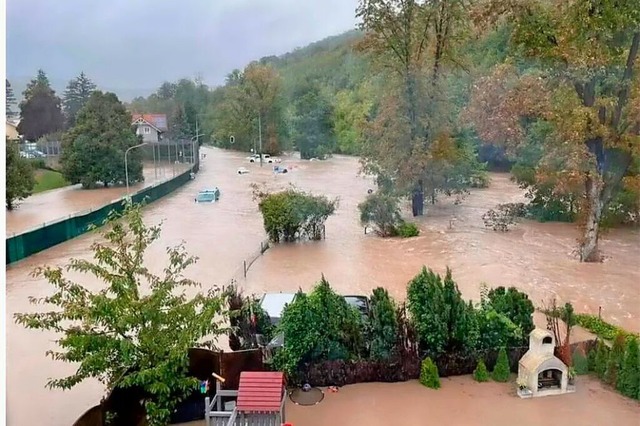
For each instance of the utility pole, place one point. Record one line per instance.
(260, 134)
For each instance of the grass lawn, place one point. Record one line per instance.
(48, 179)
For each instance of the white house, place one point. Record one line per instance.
(151, 126)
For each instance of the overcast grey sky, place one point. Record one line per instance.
(133, 45)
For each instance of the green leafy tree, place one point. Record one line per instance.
(383, 325)
(584, 83)
(136, 330)
(615, 361)
(94, 149)
(591, 359)
(497, 330)
(516, 306)
(443, 321)
(429, 374)
(501, 371)
(10, 99)
(313, 124)
(300, 332)
(76, 96)
(179, 125)
(20, 176)
(381, 211)
(602, 356)
(580, 362)
(629, 378)
(480, 374)
(40, 111)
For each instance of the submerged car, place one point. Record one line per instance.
(208, 195)
(280, 169)
(243, 171)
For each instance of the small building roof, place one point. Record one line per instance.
(537, 362)
(260, 391)
(159, 121)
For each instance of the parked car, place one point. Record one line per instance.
(255, 158)
(242, 170)
(208, 195)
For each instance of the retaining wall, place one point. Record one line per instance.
(35, 240)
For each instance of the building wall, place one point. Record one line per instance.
(149, 134)
(12, 132)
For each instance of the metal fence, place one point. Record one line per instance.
(53, 233)
(243, 269)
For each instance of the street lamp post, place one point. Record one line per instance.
(126, 166)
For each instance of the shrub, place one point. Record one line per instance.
(443, 321)
(383, 324)
(616, 358)
(408, 230)
(629, 379)
(504, 216)
(294, 215)
(602, 356)
(599, 327)
(496, 330)
(429, 374)
(580, 362)
(480, 374)
(502, 371)
(380, 210)
(516, 306)
(591, 359)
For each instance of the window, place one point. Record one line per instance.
(147, 130)
(547, 340)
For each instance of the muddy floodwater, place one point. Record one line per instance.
(535, 257)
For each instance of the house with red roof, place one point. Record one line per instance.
(151, 126)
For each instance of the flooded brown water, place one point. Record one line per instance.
(59, 203)
(534, 257)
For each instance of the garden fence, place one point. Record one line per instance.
(242, 270)
(52, 233)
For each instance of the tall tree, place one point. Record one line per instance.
(313, 122)
(179, 126)
(584, 82)
(413, 40)
(10, 99)
(76, 96)
(20, 178)
(93, 150)
(40, 112)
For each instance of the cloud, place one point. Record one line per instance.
(135, 45)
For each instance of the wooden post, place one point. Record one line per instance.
(599, 312)
(244, 267)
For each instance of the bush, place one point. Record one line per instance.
(616, 358)
(381, 211)
(480, 374)
(429, 374)
(502, 371)
(408, 230)
(629, 379)
(294, 215)
(580, 362)
(599, 327)
(383, 324)
(443, 321)
(591, 359)
(496, 330)
(602, 356)
(504, 216)
(516, 306)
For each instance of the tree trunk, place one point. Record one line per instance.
(595, 205)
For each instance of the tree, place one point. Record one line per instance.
(10, 99)
(20, 177)
(138, 329)
(443, 321)
(410, 137)
(584, 83)
(94, 149)
(616, 360)
(76, 96)
(380, 210)
(515, 305)
(480, 374)
(629, 378)
(501, 371)
(383, 324)
(313, 122)
(429, 374)
(40, 112)
(179, 126)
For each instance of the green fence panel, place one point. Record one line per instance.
(31, 242)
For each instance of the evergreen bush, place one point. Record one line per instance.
(591, 359)
(629, 378)
(602, 356)
(480, 374)
(616, 358)
(408, 230)
(502, 371)
(580, 362)
(429, 374)
(383, 329)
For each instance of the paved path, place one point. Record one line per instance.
(62, 202)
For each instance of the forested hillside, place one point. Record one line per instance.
(431, 94)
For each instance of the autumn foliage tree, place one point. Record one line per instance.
(581, 77)
(412, 138)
